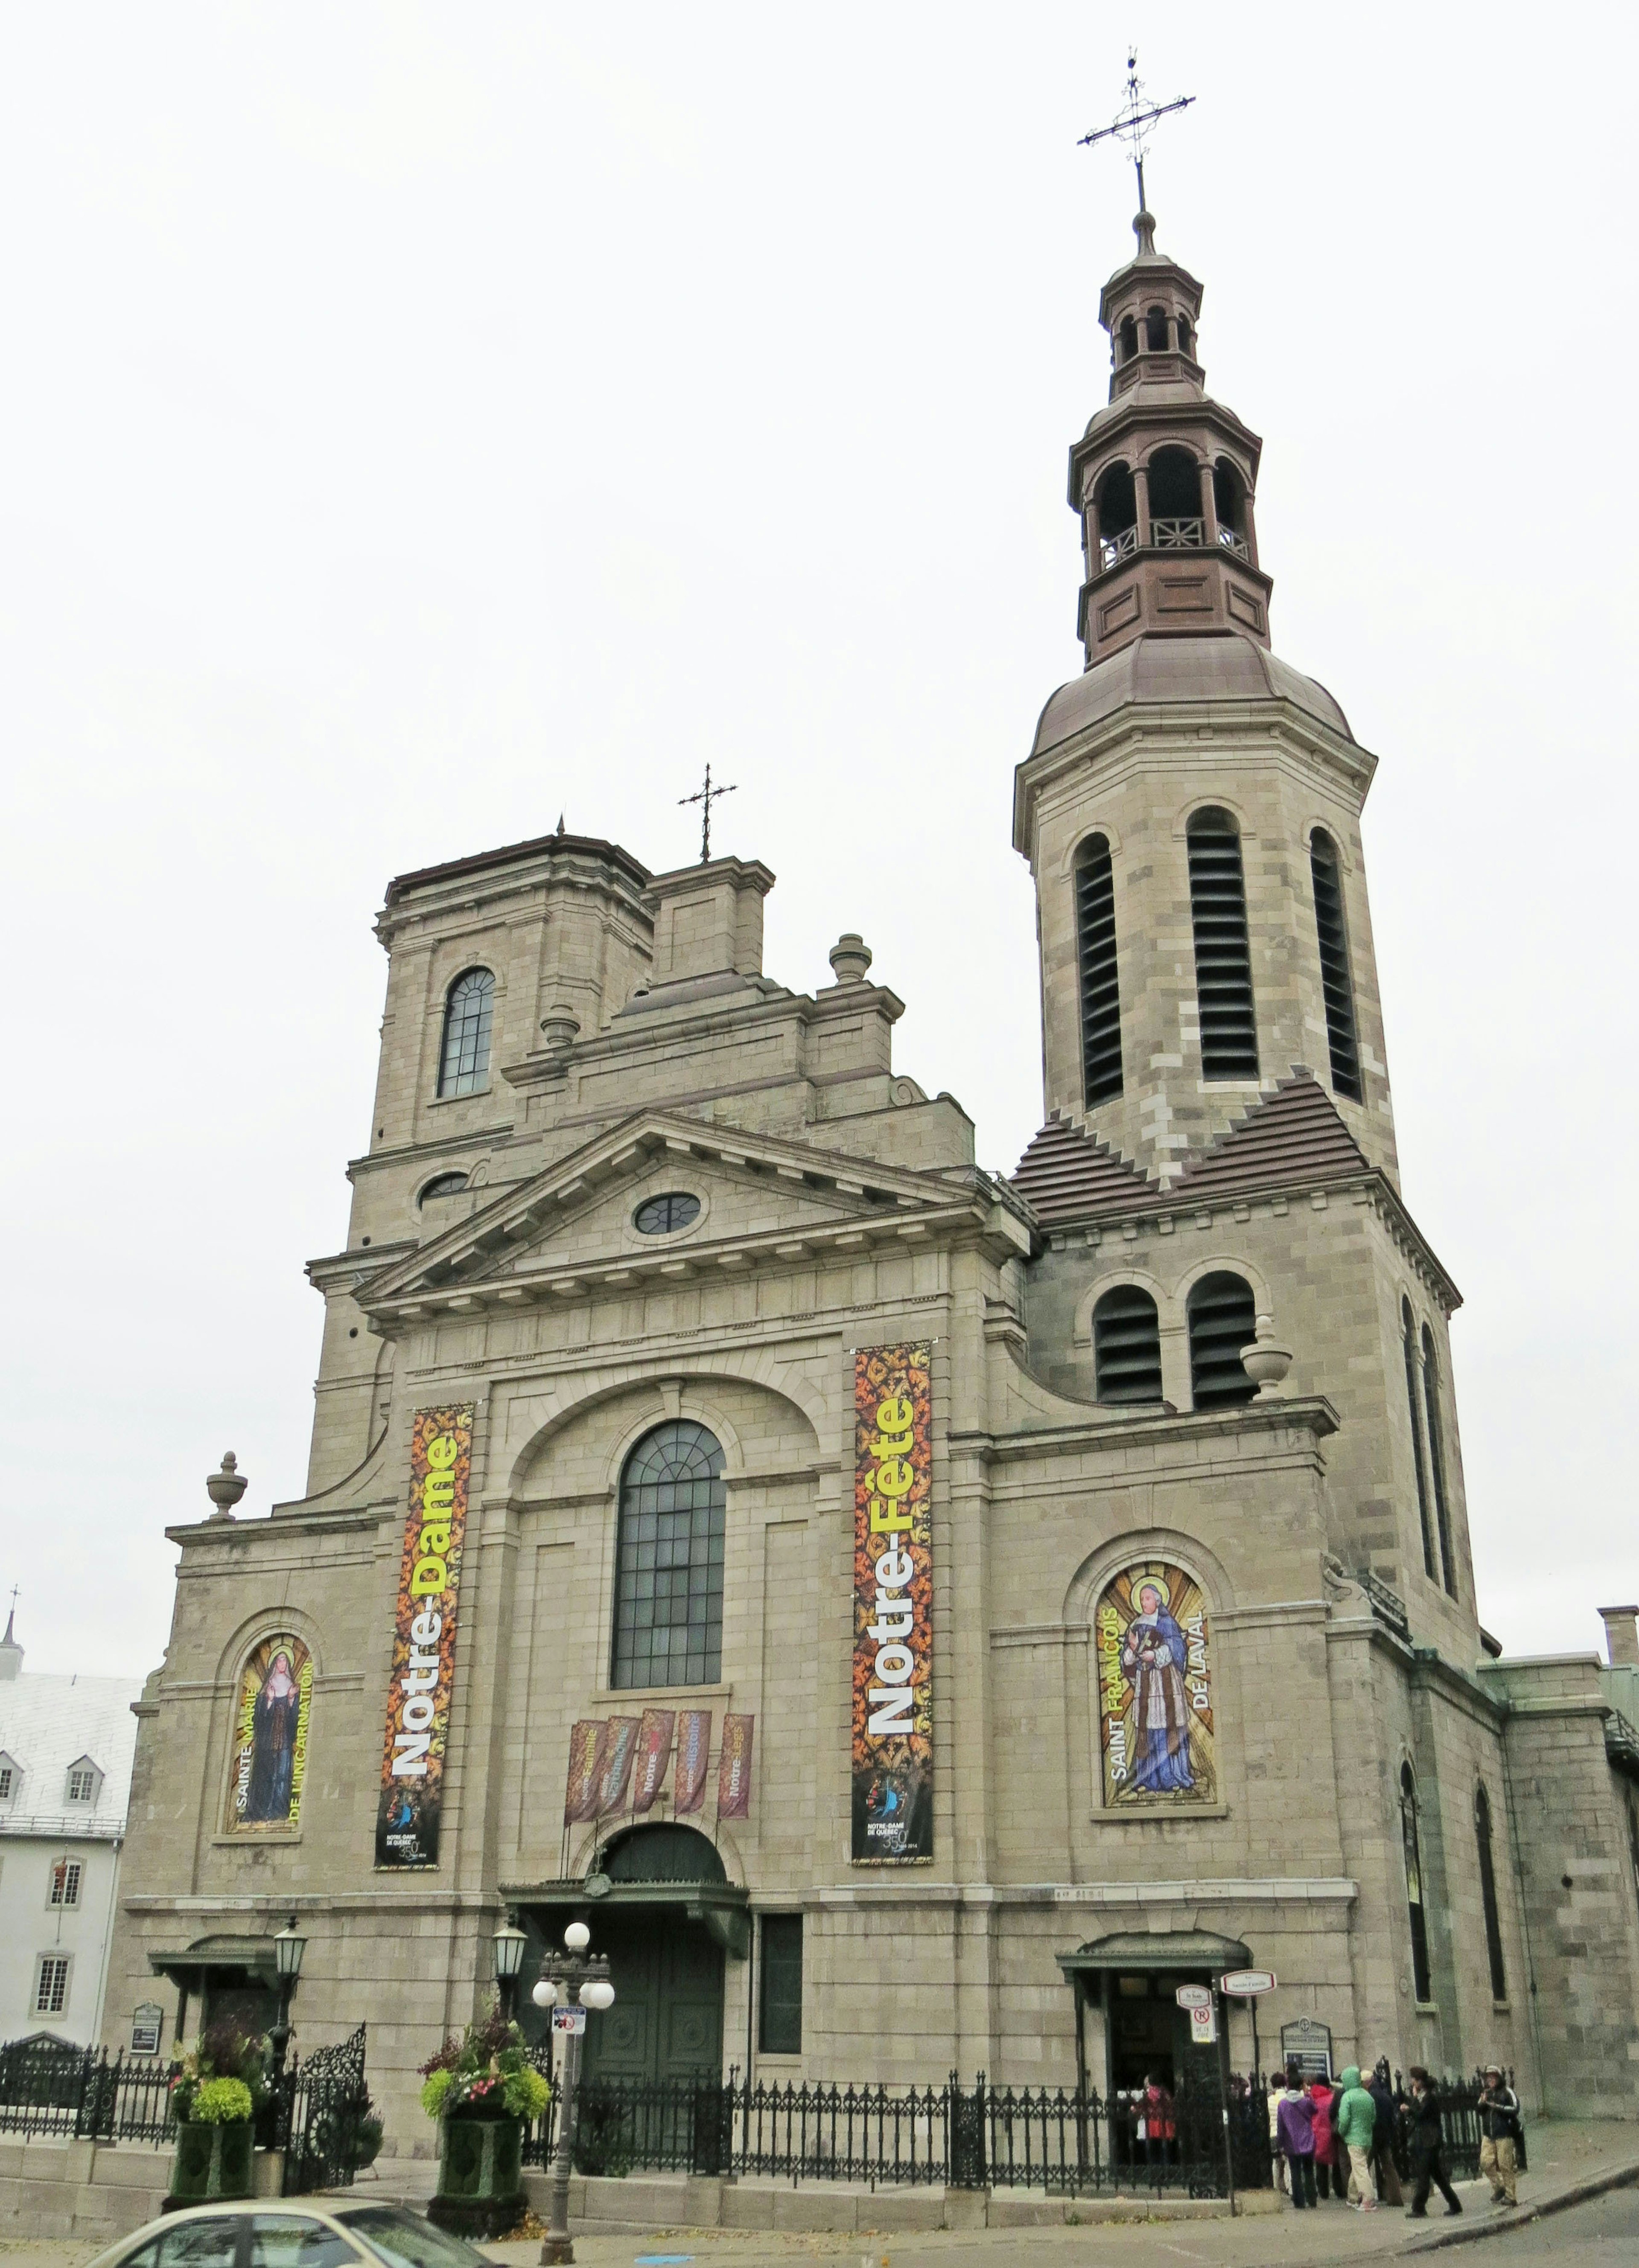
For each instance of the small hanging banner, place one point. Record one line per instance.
(893, 1606)
(654, 1739)
(734, 1769)
(620, 1747)
(424, 1639)
(694, 1749)
(587, 1743)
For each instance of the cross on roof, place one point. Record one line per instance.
(705, 797)
(1135, 121)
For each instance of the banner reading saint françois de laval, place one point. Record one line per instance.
(893, 1606)
(424, 1639)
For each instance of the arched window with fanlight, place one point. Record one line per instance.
(1337, 983)
(1408, 1344)
(1223, 956)
(1487, 1894)
(1437, 1458)
(1411, 1844)
(669, 1560)
(1126, 1346)
(1095, 954)
(469, 1017)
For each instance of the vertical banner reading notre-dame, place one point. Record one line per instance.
(893, 1606)
(424, 1639)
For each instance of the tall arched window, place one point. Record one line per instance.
(1437, 1458)
(1408, 1340)
(1156, 330)
(668, 1570)
(1421, 1981)
(1095, 949)
(1223, 958)
(1222, 1318)
(469, 1014)
(1126, 1346)
(1335, 981)
(1487, 1895)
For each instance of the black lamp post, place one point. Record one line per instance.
(572, 1976)
(288, 1948)
(510, 1943)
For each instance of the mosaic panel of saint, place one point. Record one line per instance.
(1155, 1689)
(269, 1754)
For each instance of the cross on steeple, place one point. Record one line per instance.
(705, 797)
(1135, 121)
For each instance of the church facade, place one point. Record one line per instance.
(917, 1619)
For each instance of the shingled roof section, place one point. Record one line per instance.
(1069, 1174)
(1292, 1137)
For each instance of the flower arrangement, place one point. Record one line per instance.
(486, 2073)
(224, 2066)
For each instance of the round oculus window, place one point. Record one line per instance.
(665, 1216)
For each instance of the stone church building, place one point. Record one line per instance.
(689, 1398)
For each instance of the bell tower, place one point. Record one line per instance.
(1191, 806)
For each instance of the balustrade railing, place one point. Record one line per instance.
(1172, 533)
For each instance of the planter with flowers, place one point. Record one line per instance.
(483, 2089)
(214, 2089)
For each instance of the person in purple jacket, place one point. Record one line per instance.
(1295, 2125)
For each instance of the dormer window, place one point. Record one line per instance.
(9, 1777)
(84, 1781)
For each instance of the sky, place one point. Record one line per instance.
(422, 423)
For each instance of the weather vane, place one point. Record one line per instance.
(1135, 122)
(705, 798)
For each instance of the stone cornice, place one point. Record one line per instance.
(1311, 1414)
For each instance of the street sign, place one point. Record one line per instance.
(569, 2020)
(1203, 2026)
(1246, 1983)
(1194, 1996)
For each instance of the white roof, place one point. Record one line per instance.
(48, 1724)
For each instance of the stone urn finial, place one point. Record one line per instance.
(559, 1026)
(1265, 1362)
(850, 958)
(225, 1488)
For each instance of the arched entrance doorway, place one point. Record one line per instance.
(666, 1962)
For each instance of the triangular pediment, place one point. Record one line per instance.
(576, 1222)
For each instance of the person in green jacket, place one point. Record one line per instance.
(1353, 2119)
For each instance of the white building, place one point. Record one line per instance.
(66, 1746)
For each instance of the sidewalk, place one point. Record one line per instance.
(1566, 2155)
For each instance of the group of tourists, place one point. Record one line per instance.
(1339, 2140)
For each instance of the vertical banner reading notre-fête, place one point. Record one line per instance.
(424, 1639)
(893, 1606)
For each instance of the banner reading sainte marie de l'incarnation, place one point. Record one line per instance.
(893, 1607)
(424, 1639)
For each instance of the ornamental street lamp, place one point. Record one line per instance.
(572, 1976)
(288, 1948)
(510, 1942)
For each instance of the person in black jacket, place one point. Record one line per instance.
(1429, 2163)
(1385, 2171)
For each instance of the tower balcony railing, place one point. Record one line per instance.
(1168, 534)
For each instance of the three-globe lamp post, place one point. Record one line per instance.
(572, 1976)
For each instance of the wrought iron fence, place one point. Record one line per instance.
(324, 2122)
(956, 2136)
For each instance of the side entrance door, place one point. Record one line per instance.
(667, 2021)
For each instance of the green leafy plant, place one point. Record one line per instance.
(220, 2102)
(486, 2073)
(222, 2052)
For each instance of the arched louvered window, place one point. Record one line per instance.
(1408, 1340)
(668, 1564)
(1487, 1895)
(1095, 949)
(1421, 1983)
(1126, 1346)
(1223, 960)
(1335, 981)
(1156, 330)
(468, 1014)
(1222, 1318)
(1436, 1459)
